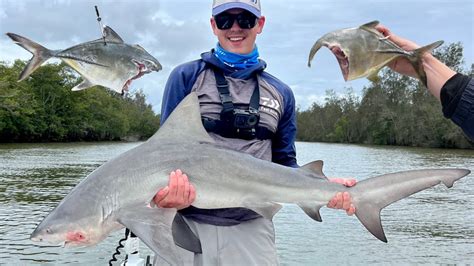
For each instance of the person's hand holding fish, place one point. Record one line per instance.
(343, 200)
(178, 194)
(437, 73)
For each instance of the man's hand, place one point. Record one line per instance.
(400, 65)
(178, 194)
(343, 200)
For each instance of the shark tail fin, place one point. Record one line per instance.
(417, 62)
(371, 195)
(40, 54)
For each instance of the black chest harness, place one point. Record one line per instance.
(234, 122)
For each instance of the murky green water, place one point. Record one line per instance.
(434, 226)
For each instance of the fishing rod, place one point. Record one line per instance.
(99, 20)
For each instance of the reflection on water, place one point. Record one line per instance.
(433, 226)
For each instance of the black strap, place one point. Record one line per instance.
(226, 98)
(224, 93)
(221, 128)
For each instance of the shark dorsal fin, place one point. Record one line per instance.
(111, 36)
(315, 167)
(184, 124)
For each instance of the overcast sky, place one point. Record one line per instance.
(176, 31)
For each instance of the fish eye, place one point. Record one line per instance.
(49, 231)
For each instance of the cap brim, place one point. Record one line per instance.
(225, 7)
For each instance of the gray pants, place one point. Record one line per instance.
(248, 243)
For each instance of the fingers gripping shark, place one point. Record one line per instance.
(119, 192)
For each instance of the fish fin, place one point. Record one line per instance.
(315, 167)
(111, 35)
(371, 24)
(85, 84)
(317, 45)
(312, 210)
(40, 54)
(369, 215)
(265, 209)
(153, 227)
(371, 27)
(184, 124)
(374, 77)
(371, 195)
(183, 235)
(416, 61)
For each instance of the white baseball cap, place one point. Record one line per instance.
(253, 6)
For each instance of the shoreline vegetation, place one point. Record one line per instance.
(43, 108)
(396, 110)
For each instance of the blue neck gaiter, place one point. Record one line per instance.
(238, 61)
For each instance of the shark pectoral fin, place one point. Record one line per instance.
(369, 215)
(153, 227)
(183, 236)
(312, 210)
(83, 85)
(265, 209)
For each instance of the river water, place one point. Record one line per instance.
(434, 226)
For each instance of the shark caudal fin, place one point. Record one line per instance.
(371, 195)
(40, 54)
(417, 63)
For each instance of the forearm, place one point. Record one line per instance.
(437, 74)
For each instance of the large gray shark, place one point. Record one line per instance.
(108, 61)
(363, 51)
(119, 192)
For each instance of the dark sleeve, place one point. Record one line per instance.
(283, 143)
(457, 99)
(179, 84)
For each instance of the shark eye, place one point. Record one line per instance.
(49, 231)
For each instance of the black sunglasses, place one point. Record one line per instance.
(245, 20)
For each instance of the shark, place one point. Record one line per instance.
(107, 61)
(118, 193)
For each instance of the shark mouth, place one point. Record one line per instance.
(342, 59)
(142, 70)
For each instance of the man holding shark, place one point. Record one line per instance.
(228, 80)
(244, 109)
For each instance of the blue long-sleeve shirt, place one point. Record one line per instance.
(277, 113)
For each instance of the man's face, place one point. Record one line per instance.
(236, 39)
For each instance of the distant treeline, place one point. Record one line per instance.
(395, 111)
(43, 108)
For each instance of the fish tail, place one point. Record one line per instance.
(417, 62)
(313, 51)
(40, 54)
(370, 198)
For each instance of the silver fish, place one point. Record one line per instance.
(363, 51)
(118, 193)
(108, 61)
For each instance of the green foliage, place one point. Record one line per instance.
(43, 108)
(397, 110)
